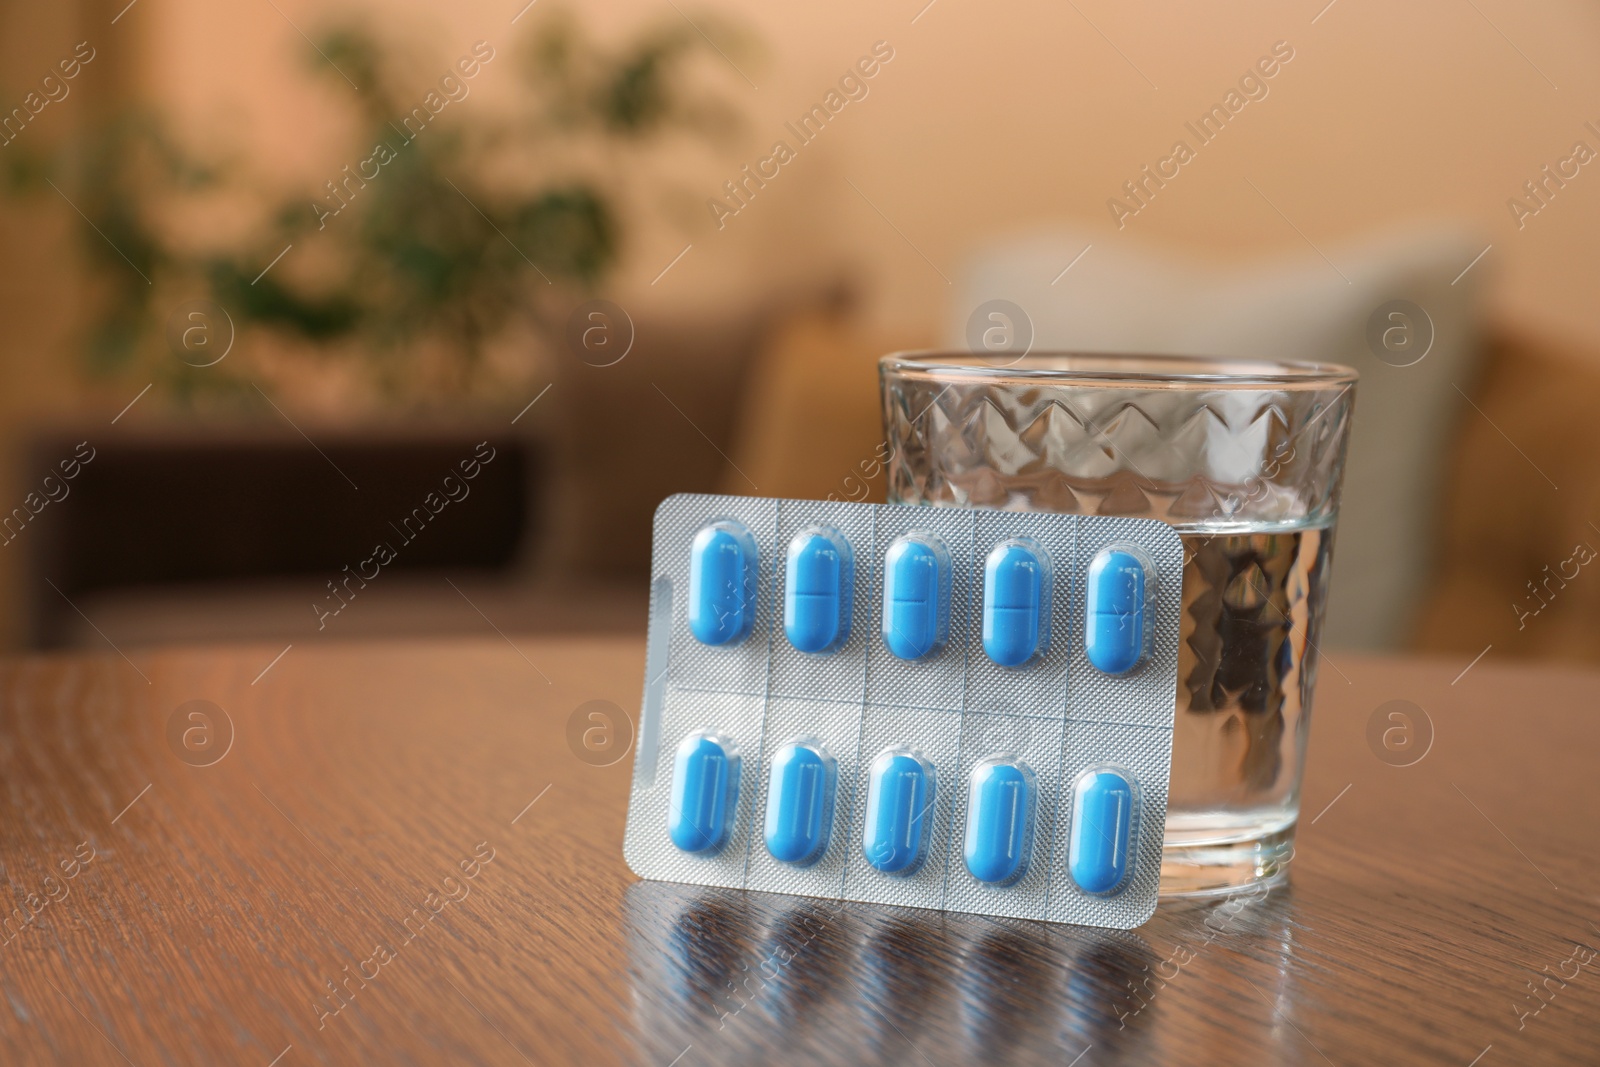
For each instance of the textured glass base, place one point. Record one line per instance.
(1208, 870)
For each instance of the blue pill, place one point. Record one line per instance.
(900, 790)
(1100, 850)
(722, 584)
(916, 597)
(1016, 589)
(1113, 632)
(818, 585)
(1000, 820)
(705, 791)
(800, 791)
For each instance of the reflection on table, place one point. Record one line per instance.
(733, 975)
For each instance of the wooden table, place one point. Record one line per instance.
(400, 860)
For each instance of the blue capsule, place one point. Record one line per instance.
(1099, 853)
(1016, 602)
(916, 597)
(722, 584)
(1000, 820)
(900, 791)
(1113, 632)
(818, 587)
(800, 791)
(705, 792)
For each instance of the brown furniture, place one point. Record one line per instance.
(187, 507)
(1518, 496)
(183, 530)
(400, 859)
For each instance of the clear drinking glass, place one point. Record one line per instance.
(1245, 460)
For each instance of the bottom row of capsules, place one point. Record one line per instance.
(901, 788)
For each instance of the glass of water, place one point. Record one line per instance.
(1245, 460)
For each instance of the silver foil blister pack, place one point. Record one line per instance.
(957, 709)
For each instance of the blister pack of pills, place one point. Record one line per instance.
(942, 708)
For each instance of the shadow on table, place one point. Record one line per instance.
(753, 976)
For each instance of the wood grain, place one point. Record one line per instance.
(304, 899)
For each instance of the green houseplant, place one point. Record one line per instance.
(448, 221)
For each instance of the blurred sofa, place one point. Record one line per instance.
(1508, 408)
(783, 400)
(182, 532)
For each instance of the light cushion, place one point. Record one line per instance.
(1125, 297)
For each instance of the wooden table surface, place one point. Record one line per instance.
(400, 859)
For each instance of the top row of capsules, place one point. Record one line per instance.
(819, 591)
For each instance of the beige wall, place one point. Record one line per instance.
(989, 119)
(39, 287)
(995, 117)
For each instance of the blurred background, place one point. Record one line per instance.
(327, 321)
